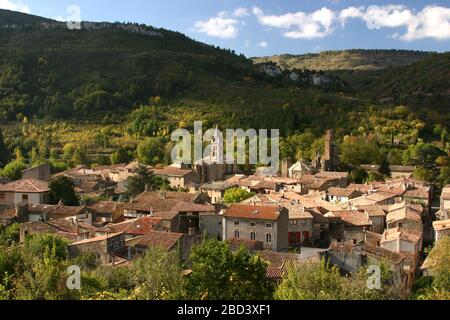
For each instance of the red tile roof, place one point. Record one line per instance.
(254, 212)
(164, 240)
(139, 226)
(29, 185)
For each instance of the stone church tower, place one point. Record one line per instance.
(330, 160)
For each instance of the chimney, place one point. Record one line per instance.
(162, 194)
(146, 188)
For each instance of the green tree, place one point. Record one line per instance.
(137, 183)
(5, 156)
(121, 155)
(13, 170)
(10, 234)
(423, 174)
(151, 150)
(218, 274)
(236, 195)
(158, 276)
(62, 189)
(313, 280)
(438, 288)
(357, 151)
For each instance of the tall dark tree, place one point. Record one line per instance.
(62, 189)
(144, 179)
(5, 156)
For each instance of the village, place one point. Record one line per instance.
(306, 211)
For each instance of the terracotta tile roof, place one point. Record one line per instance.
(96, 239)
(296, 211)
(343, 192)
(372, 210)
(164, 240)
(332, 174)
(139, 226)
(441, 225)
(172, 172)
(421, 193)
(158, 202)
(399, 233)
(254, 212)
(105, 206)
(378, 252)
(380, 196)
(29, 185)
(404, 211)
(351, 217)
(445, 195)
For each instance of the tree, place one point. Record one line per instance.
(313, 280)
(422, 154)
(151, 150)
(438, 288)
(13, 170)
(137, 183)
(423, 174)
(10, 234)
(218, 274)
(62, 189)
(357, 151)
(385, 167)
(121, 155)
(236, 195)
(5, 156)
(158, 275)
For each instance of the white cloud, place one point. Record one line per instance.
(240, 12)
(247, 43)
(431, 22)
(220, 26)
(300, 25)
(14, 6)
(263, 44)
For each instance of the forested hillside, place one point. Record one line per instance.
(77, 96)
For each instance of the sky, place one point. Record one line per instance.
(268, 27)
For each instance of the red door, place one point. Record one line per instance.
(298, 237)
(305, 236)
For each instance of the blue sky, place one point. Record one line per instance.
(258, 28)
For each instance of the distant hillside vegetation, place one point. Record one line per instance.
(347, 60)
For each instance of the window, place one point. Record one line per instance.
(2, 196)
(252, 224)
(268, 237)
(236, 234)
(24, 197)
(236, 222)
(252, 236)
(294, 222)
(268, 225)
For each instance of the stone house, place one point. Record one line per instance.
(104, 247)
(266, 223)
(376, 215)
(405, 216)
(178, 178)
(31, 190)
(441, 229)
(41, 172)
(339, 195)
(180, 211)
(216, 190)
(348, 225)
(300, 224)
